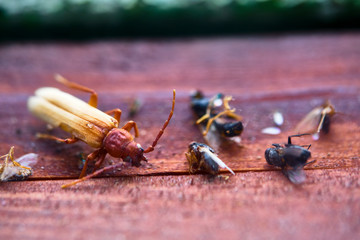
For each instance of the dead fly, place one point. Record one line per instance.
(90, 125)
(216, 119)
(317, 120)
(12, 170)
(201, 157)
(291, 158)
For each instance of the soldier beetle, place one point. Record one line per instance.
(87, 123)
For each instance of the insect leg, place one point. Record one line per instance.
(311, 162)
(308, 146)
(100, 160)
(94, 174)
(323, 115)
(297, 135)
(93, 97)
(211, 120)
(90, 157)
(151, 148)
(67, 140)
(116, 112)
(129, 125)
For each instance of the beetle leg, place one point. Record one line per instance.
(91, 157)
(116, 112)
(234, 116)
(129, 125)
(94, 174)
(100, 160)
(93, 97)
(67, 140)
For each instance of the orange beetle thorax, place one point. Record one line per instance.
(120, 143)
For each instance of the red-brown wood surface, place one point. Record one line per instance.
(289, 73)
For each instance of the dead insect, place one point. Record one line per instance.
(215, 117)
(12, 170)
(90, 125)
(134, 108)
(291, 158)
(201, 157)
(317, 120)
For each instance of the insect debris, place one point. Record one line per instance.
(12, 170)
(201, 157)
(87, 123)
(216, 119)
(278, 121)
(291, 158)
(317, 120)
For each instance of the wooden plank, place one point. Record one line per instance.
(291, 74)
(61, 161)
(261, 205)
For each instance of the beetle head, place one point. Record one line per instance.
(136, 154)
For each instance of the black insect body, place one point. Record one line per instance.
(229, 129)
(216, 119)
(201, 157)
(291, 158)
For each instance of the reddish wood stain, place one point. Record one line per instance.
(291, 74)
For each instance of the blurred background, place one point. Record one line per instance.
(84, 19)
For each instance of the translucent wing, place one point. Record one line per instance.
(27, 160)
(310, 123)
(296, 176)
(216, 159)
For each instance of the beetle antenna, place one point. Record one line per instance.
(151, 148)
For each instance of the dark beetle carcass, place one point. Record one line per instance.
(291, 158)
(217, 121)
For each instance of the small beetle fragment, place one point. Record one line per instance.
(12, 170)
(201, 157)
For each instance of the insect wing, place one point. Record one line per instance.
(295, 175)
(77, 107)
(28, 160)
(310, 123)
(296, 156)
(62, 110)
(215, 158)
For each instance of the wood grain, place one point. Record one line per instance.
(289, 73)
